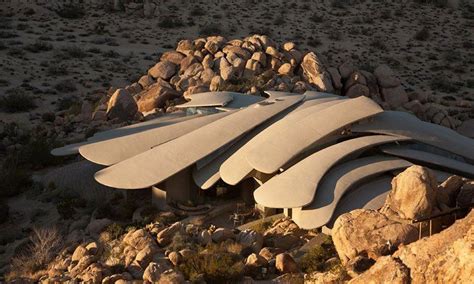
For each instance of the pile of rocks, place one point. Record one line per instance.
(362, 236)
(155, 252)
(256, 64)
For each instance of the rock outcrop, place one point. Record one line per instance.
(369, 232)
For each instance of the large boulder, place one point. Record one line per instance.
(252, 239)
(386, 270)
(166, 236)
(163, 69)
(385, 77)
(368, 232)
(413, 194)
(222, 234)
(395, 97)
(121, 106)
(445, 257)
(316, 73)
(156, 97)
(153, 272)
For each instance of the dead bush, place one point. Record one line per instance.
(43, 245)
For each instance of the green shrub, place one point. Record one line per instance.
(423, 34)
(71, 11)
(17, 101)
(197, 11)
(36, 153)
(170, 23)
(39, 46)
(315, 258)
(210, 29)
(214, 266)
(443, 84)
(316, 18)
(115, 230)
(14, 179)
(68, 52)
(65, 86)
(66, 207)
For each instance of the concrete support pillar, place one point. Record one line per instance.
(181, 188)
(158, 198)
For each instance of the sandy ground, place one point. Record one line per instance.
(88, 58)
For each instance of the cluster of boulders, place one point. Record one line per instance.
(155, 252)
(363, 236)
(256, 64)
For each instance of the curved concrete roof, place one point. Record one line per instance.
(165, 120)
(404, 124)
(370, 195)
(456, 166)
(236, 167)
(165, 160)
(284, 144)
(279, 191)
(339, 181)
(221, 100)
(209, 99)
(207, 174)
(112, 151)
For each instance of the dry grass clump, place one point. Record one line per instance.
(213, 264)
(44, 244)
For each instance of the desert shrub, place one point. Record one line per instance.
(43, 246)
(115, 230)
(378, 43)
(423, 34)
(443, 84)
(262, 226)
(65, 86)
(214, 264)
(16, 52)
(14, 179)
(56, 69)
(7, 34)
(170, 23)
(340, 4)
(48, 117)
(316, 257)
(39, 46)
(314, 42)
(17, 101)
(68, 52)
(210, 29)
(4, 83)
(316, 18)
(36, 153)
(279, 20)
(335, 35)
(197, 11)
(66, 207)
(71, 11)
(67, 103)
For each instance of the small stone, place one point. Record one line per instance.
(286, 264)
(175, 258)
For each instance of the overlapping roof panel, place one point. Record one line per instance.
(320, 154)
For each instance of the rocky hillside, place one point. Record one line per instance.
(366, 245)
